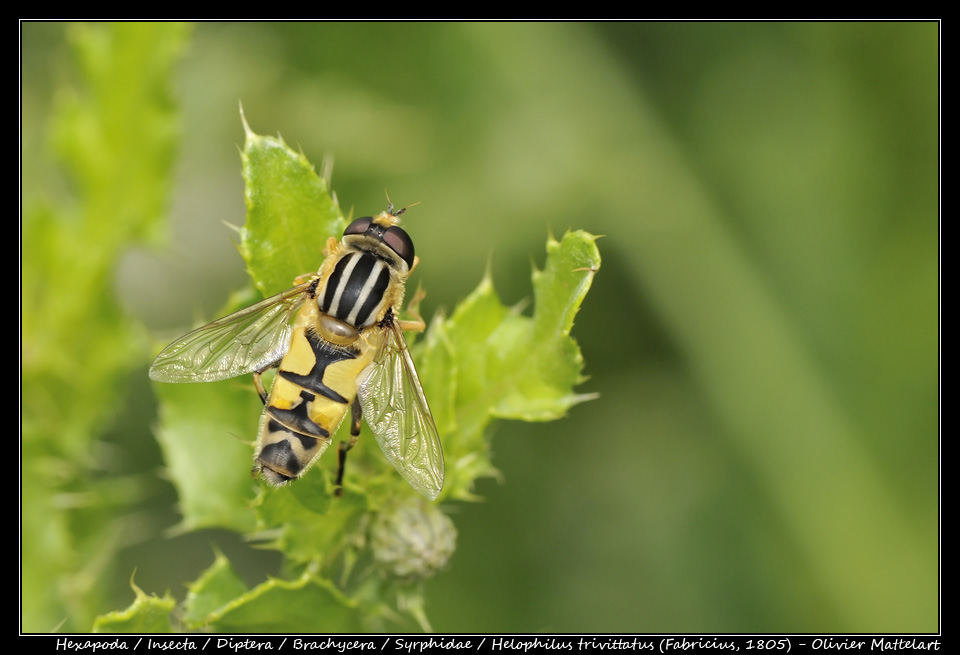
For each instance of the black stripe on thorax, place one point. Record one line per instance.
(357, 284)
(375, 297)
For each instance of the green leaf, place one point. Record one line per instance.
(206, 432)
(212, 593)
(308, 604)
(544, 363)
(290, 214)
(147, 614)
(501, 364)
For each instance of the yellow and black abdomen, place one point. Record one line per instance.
(315, 385)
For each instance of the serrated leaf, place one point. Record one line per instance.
(147, 614)
(507, 365)
(308, 604)
(545, 363)
(290, 214)
(212, 592)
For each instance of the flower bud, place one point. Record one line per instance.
(412, 540)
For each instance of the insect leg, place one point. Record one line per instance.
(413, 308)
(258, 383)
(303, 277)
(416, 262)
(330, 246)
(356, 416)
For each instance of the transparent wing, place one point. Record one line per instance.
(396, 410)
(245, 341)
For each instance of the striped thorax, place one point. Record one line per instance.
(364, 276)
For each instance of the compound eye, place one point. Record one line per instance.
(359, 226)
(400, 243)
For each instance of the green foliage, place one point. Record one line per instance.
(115, 135)
(289, 214)
(493, 362)
(205, 432)
(147, 614)
(220, 601)
(485, 361)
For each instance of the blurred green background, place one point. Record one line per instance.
(763, 333)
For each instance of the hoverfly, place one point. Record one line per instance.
(337, 343)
